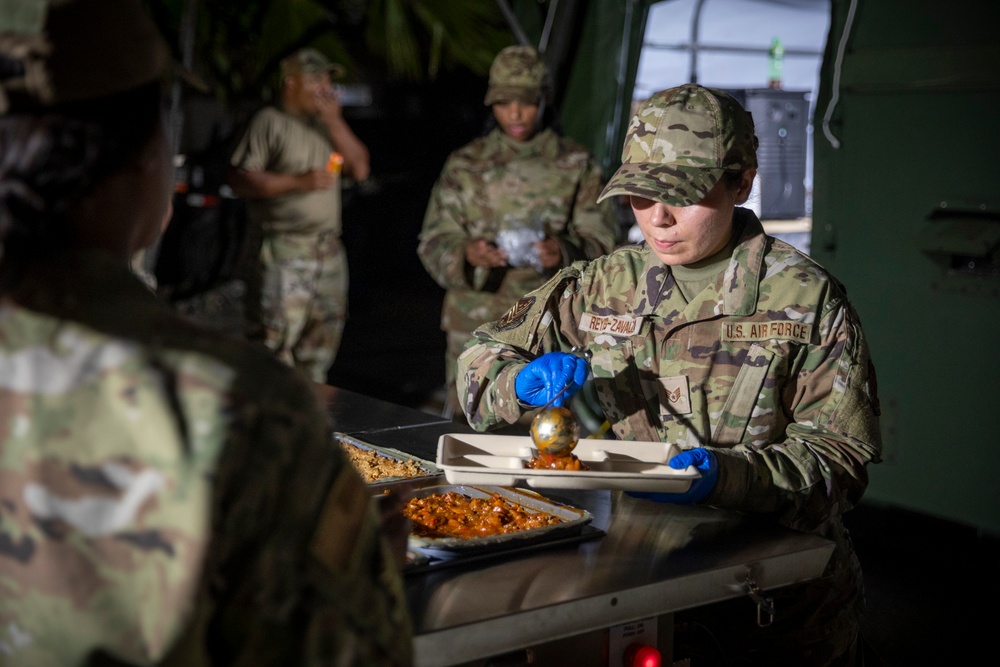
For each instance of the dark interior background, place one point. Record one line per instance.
(394, 305)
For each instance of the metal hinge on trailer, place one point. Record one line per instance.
(765, 604)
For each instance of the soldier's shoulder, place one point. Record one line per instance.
(571, 153)
(266, 116)
(570, 146)
(225, 364)
(622, 267)
(270, 111)
(788, 258)
(471, 154)
(791, 269)
(632, 255)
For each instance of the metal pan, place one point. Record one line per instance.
(430, 473)
(573, 521)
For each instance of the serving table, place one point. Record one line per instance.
(583, 602)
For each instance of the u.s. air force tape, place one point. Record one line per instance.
(748, 331)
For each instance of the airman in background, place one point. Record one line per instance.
(289, 166)
(510, 208)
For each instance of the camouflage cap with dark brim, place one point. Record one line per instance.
(516, 75)
(680, 143)
(522, 94)
(310, 61)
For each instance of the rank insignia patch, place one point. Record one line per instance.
(675, 396)
(515, 316)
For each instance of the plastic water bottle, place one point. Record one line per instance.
(776, 62)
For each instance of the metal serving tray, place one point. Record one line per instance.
(432, 473)
(573, 521)
(613, 464)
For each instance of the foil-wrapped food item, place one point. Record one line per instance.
(518, 243)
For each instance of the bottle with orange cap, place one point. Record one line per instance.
(335, 163)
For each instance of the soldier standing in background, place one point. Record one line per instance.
(509, 209)
(168, 495)
(716, 337)
(289, 165)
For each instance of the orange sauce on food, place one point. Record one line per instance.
(550, 462)
(454, 514)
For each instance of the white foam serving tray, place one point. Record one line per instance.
(499, 460)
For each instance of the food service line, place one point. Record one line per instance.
(653, 560)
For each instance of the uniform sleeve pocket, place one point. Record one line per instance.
(620, 394)
(743, 396)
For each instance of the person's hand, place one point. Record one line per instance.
(549, 253)
(484, 254)
(704, 462)
(316, 179)
(543, 379)
(328, 104)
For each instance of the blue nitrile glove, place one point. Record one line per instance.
(541, 381)
(704, 461)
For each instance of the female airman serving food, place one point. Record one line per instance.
(719, 338)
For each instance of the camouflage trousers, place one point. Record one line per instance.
(303, 300)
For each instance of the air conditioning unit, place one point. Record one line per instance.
(781, 119)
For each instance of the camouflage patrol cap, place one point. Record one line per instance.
(680, 143)
(309, 61)
(516, 75)
(58, 51)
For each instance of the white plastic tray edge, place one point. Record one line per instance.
(664, 480)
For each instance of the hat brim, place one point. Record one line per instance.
(670, 184)
(336, 70)
(522, 94)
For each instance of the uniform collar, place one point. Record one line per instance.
(544, 144)
(740, 286)
(735, 292)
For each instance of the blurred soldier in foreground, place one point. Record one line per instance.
(288, 165)
(510, 208)
(719, 338)
(167, 495)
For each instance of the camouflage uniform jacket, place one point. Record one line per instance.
(768, 366)
(171, 496)
(493, 184)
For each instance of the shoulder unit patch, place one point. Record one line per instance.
(515, 316)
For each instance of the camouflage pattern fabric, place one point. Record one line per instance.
(516, 75)
(679, 144)
(495, 184)
(171, 496)
(768, 366)
(303, 266)
(304, 283)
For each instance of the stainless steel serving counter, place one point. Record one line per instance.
(653, 559)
